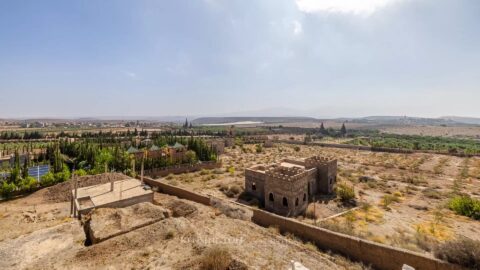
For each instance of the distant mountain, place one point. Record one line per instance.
(406, 120)
(465, 120)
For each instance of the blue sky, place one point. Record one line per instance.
(324, 58)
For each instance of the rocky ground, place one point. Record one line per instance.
(404, 196)
(36, 233)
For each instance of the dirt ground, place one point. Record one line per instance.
(402, 198)
(36, 233)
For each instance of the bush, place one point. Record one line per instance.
(464, 252)
(296, 148)
(258, 148)
(80, 172)
(231, 191)
(28, 184)
(7, 189)
(47, 179)
(389, 199)
(345, 192)
(465, 206)
(215, 258)
(62, 176)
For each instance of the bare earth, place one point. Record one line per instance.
(420, 183)
(38, 234)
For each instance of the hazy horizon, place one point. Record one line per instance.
(317, 58)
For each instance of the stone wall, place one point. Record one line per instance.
(378, 255)
(176, 191)
(370, 253)
(257, 178)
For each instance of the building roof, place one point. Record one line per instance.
(132, 150)
(154, 148)
(178, 145)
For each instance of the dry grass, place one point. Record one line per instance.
(215, 258)
(464, 252)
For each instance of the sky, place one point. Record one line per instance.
(321, 58)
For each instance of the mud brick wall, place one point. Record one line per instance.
(379, 256)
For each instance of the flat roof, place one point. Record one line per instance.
(100, 194)
(291, 165)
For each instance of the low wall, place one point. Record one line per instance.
(378, 255)
(185, 168)
(176, 191)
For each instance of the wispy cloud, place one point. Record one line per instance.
(130, 74)
(361, 7)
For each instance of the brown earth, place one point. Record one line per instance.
(62, 192)
(36, 233)
(420, 184)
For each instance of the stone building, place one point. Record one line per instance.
(287, 187)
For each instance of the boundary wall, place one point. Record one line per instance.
(370, 253)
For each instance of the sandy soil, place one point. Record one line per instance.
(421, 183)
(58, 242)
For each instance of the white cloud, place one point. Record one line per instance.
(131, 74)
(365, 7)
(297, 27)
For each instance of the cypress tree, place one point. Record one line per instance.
(343, 130)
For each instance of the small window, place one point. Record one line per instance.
(270, 197)
(254, 187)
(296, 202)
(304, 197)
(285, 202)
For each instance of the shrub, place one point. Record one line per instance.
(7, 189)
(296, 148)
(215, 258)
(28, 184)
(432, 193)
(465, 206)
(389, 199)
(62, 176)
(231, 191)
(231, 170)
(47, 179)
(258, 148)
(205, 172)
(464, 251)
(345, 192)
(80, 172)
(169, 234)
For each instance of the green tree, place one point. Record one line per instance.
(102, 159)
(322, 129)
(25, 168)
(343, 130)
(191, 157)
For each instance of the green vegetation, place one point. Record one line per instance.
(97, 155)
(414, 142)
(465, 206)
(345, 192)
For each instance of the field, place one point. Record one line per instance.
(402, 198)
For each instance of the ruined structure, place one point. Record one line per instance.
(287, 187)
